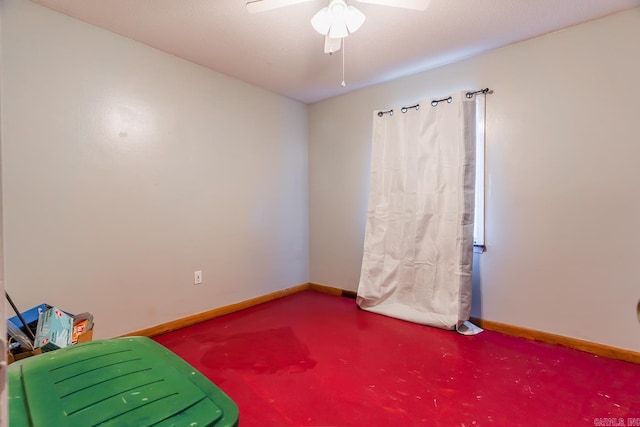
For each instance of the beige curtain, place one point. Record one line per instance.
(418, 250)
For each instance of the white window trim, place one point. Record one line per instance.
(479, 215)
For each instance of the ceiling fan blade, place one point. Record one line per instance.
(405, 4)
(255, 6)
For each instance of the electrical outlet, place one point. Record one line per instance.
(197, 277)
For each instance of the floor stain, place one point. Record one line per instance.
(264, 352)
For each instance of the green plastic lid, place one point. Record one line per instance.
(119, 382)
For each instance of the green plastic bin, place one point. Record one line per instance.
(132, 382)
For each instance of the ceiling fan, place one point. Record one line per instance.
(337, 20)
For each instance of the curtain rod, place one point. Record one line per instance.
(469, 95)
(435, 102)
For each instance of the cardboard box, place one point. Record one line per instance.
(19, 356)
(86, 336)
(54, 330)
(81, 333)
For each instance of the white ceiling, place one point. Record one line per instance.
(280, 51)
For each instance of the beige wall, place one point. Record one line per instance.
(562, 202)
(126, 169)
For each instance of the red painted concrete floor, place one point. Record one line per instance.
(312, 359)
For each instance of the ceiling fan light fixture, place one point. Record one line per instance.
(337, 20)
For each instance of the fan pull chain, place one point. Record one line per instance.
(344, 84)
